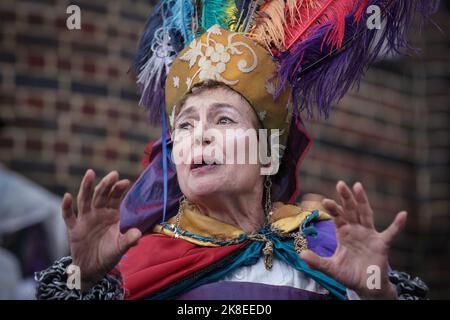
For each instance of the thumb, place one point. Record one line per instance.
(315, 261)
(395, 228)
(129, 239)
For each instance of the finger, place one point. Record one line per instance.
(364, 209)
(335, 210)
(395, 228)
(84, 197)
(102, 190)
(316, 262)
(117, 193)
(67, 211)
(129, 239)
(348, 202)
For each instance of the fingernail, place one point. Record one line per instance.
(341, 183)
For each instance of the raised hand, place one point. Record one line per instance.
(359, 244)
(96, 244)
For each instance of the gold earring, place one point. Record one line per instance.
(268, 202)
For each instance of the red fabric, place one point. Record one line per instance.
(159, 260)
(147, 152)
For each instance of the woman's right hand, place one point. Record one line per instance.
(96, 244)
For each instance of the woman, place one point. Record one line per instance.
(233, 232)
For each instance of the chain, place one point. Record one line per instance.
(267, 250)
(268, 202)
(182, 202)
(300, 243)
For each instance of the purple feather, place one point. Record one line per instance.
(154, 21)
(152, 99)
(320, 75)
(153, 82)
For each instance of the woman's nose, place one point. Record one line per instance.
(206, 140)
(201, 134)
(203, 139)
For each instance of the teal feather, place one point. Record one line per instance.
(180, 18)
(217, 12)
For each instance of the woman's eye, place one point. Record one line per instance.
(225, 120)
(184, 125)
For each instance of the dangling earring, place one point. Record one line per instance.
(268, 200)
(182, 203)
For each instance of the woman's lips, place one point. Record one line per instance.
(200, 166)
(204, 168)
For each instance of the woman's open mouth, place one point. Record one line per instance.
(203, 166)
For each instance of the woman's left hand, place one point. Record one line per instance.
(359, 247)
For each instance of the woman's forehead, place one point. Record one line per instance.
(215, 99)
(216, 93)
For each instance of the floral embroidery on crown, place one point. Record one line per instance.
(212, 61)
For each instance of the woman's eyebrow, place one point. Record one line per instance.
(186, 111)
(191, 109)
(222, 105)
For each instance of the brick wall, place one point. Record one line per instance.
(67, 103)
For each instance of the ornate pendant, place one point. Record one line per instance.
(300, 243)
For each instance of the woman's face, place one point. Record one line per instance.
(212, 144)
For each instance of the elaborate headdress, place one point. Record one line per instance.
(301, 55)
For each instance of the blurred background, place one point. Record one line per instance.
(68, 103)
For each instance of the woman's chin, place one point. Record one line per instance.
(204, 188)
(207, 184)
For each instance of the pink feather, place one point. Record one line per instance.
(313, 14)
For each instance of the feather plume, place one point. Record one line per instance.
(313, 14)
(154, 21)
(250, 16)
(220, 12)
(242, 7)
(323, 46)
(180, 18)
(321, 72)
(269, 25)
